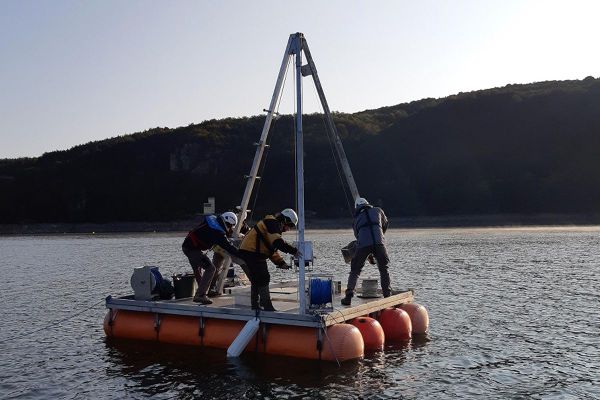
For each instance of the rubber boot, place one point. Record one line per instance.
(201, 298)
(265, 298)
(346, 301)
(254, 297)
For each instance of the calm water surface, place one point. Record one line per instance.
(514, 315)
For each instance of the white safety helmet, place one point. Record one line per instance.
(289, 217)
(360, 201)
(229, 218)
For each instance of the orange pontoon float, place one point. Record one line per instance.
(328, 336)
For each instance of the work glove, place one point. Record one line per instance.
(283, 265)
(371, 259)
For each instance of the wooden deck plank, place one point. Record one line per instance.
(346, 313)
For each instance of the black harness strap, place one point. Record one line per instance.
(367, 224)
(261, 238)
(257, 250)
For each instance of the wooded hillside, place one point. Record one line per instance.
(525, 149)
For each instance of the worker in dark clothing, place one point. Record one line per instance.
(370, 224)
(261, 242)
(212, 230)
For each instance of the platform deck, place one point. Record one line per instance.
(233, 305)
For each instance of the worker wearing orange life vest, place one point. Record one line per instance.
(261, 242)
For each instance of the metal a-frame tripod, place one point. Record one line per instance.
(295, 47)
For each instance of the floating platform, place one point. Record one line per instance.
(335, 333)
(324, 335)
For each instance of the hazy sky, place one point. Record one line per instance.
(78, 71)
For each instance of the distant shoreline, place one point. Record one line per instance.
(464, 221)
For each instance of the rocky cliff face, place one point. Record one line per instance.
(196, 159)
(186, 158)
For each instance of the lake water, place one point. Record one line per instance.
(514, 314)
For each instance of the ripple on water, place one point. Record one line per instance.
(513, 315)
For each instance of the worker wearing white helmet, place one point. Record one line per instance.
(212, 230)
(370, 224)
(218, 260)
(264, 241)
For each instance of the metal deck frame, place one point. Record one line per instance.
(338, 315)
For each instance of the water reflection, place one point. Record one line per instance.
(188, 372)
(514, 314)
